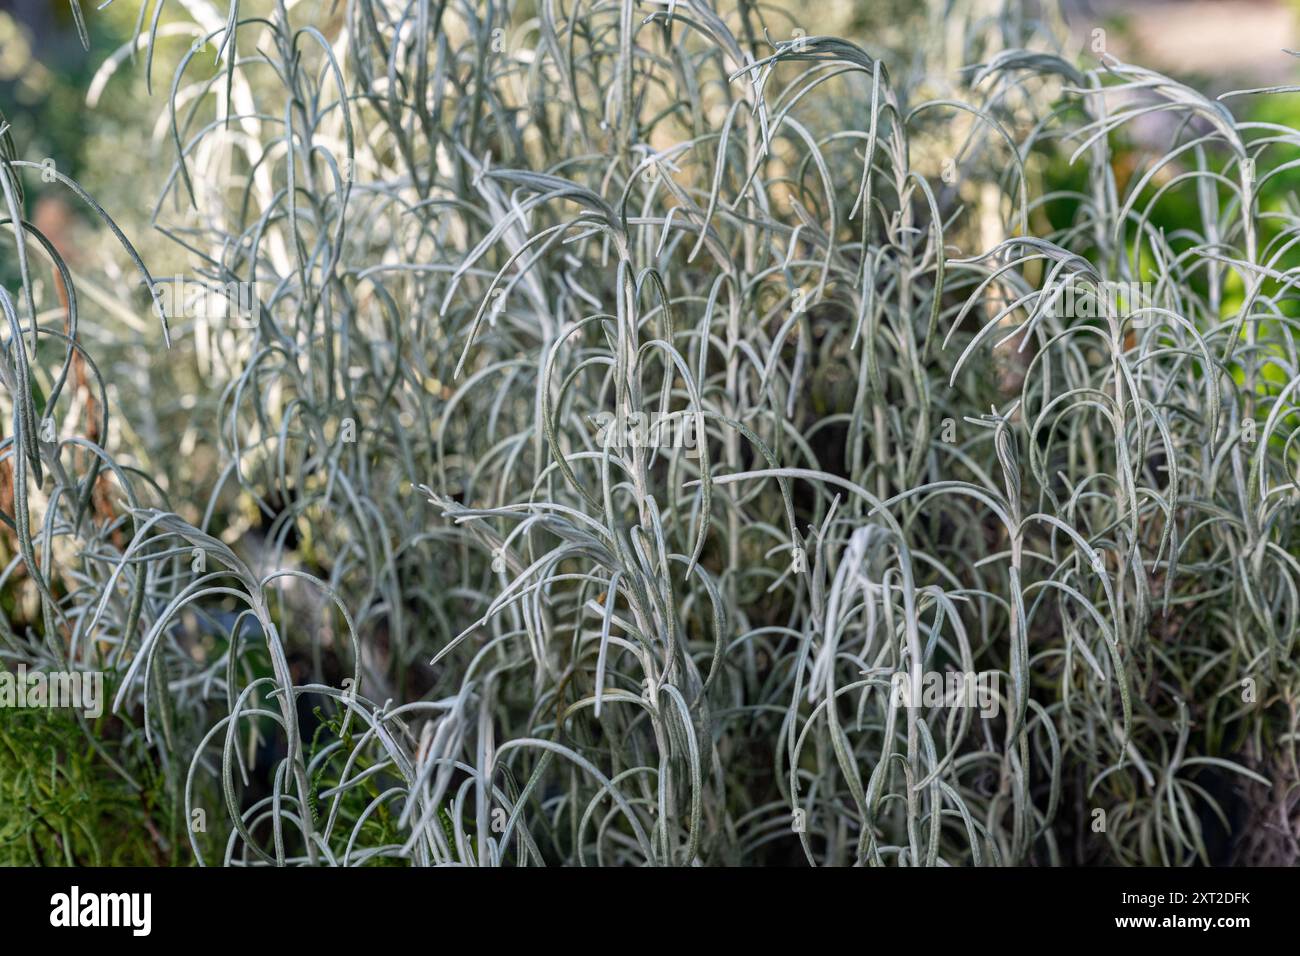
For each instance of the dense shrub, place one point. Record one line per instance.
(626, 414)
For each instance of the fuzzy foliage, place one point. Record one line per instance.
(632, 394)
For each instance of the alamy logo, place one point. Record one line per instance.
(1079, 299)
(648, 430)
(949, 689)
(235, 302)
(103, 909)
(77, 690)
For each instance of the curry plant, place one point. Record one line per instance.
(676, 437)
